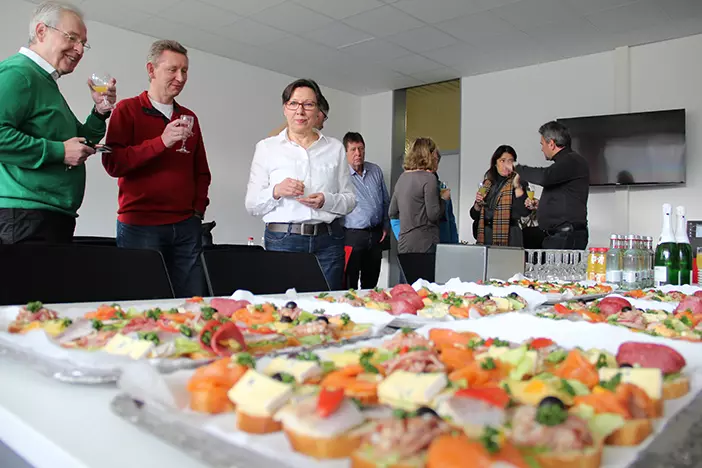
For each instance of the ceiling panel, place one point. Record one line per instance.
(243, 7)
(438, 10)
(682, 9)
(586, 7)
(112, 13)
(383, 21)
(337, 34)
(413, 63)
(200, 15)
(376, 50)
(340, 9)
(150, 6)
(432, 76)
(531, 13)
(456, 54)
(252, 32)
(475, 27)
(639, 15)
(292, 18)
(422, 39)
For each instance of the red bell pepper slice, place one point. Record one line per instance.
(494, 396)
(561, 309)
(489, 342)
(228, 331)
(538, 343)
(329, 401)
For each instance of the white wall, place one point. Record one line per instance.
(237, 105)
(508, 107)
(376, 128)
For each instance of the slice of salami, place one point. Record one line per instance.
(652, 355)
(227, 306)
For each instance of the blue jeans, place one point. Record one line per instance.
(328, 248)
(180, 244)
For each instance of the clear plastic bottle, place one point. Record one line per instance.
(630, 264)
(615, 256)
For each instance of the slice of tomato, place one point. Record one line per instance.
(538, 343)
(166, 325)
(489, 342)
(494, 396)
(259, 331)
(329, 401)
(207, 333)
(228, 331)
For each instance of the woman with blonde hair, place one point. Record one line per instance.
(416, 201)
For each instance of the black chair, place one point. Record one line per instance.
(261, 271)
(55, 273)
(237, 247)
(95, 240)
(418, 266)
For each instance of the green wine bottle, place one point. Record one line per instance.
(684, 247)
(666, 260)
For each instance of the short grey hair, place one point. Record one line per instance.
(160, 46)
(50, 13)
(556, 132)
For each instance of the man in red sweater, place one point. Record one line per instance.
(162, 188)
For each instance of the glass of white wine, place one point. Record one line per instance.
(189, 120)
(100, 83)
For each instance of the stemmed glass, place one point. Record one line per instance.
(100, 83)
(188, 120)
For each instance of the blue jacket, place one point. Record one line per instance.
(448, 231)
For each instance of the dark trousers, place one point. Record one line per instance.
(328, 247)
(18, 225)
(566, 237)
(364, 262)
(181, 246)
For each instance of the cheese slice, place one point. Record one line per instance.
(409, 391)
(649, 380)
(259, 395)
(593, 355)
(301, 370)
(124, 346)
(343, 359)
(502, 304)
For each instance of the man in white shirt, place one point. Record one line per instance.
(300, 184)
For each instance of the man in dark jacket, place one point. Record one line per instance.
(562, 212)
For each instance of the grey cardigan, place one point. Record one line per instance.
(416, 202)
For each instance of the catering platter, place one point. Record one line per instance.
(159, 403)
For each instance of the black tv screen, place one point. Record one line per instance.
(630, 149)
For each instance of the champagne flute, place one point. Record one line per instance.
(100, 83)
(189, 120)
(530, 194)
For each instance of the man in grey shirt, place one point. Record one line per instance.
(368, 224)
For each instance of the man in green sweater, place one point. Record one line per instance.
(43, 146)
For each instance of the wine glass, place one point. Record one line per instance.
(482, 189)
(100, 83)
(302, 169)
(188, 120)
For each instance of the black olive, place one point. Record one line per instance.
(285, 319)
(322, 318)
(277, 376)
(513, 294)
(531, 286)
(291, 305)
(487, 296)
(426, 410)
(626, 309)
(552, 400)
(625, 365)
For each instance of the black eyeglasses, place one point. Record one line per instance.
(72, 38)
(294, 105)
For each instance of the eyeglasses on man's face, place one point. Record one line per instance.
(72, 38)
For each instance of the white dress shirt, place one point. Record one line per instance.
(39, 60)
(322, 167)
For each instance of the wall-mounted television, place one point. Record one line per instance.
(645, 148)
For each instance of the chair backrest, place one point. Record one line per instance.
(95, 240)
(418, 266)
(59, 273)
(238, 247)
(261, 271)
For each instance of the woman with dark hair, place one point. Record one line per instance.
(300, 184)
(500, 202)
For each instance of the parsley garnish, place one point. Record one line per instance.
(500, 343)
(686, 320)
(567, 387)
(601, 361)
(349, 295)
(97, 324)
(34, 306)
(345, 319)
(402, 414)
(475, 343)
(488, 364)
(149, 336)
(207, 312)
(287, 378)
(154, 313)
(245, 359)
(307, 356)
(206, 337)
(612, 383)
(187, 331)
(322, 295)
(669, 324)
(364, 360)
(406, 330)
(66, 322)
(551, 415)
(489, 439)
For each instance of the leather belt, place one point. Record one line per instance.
(301, 228)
